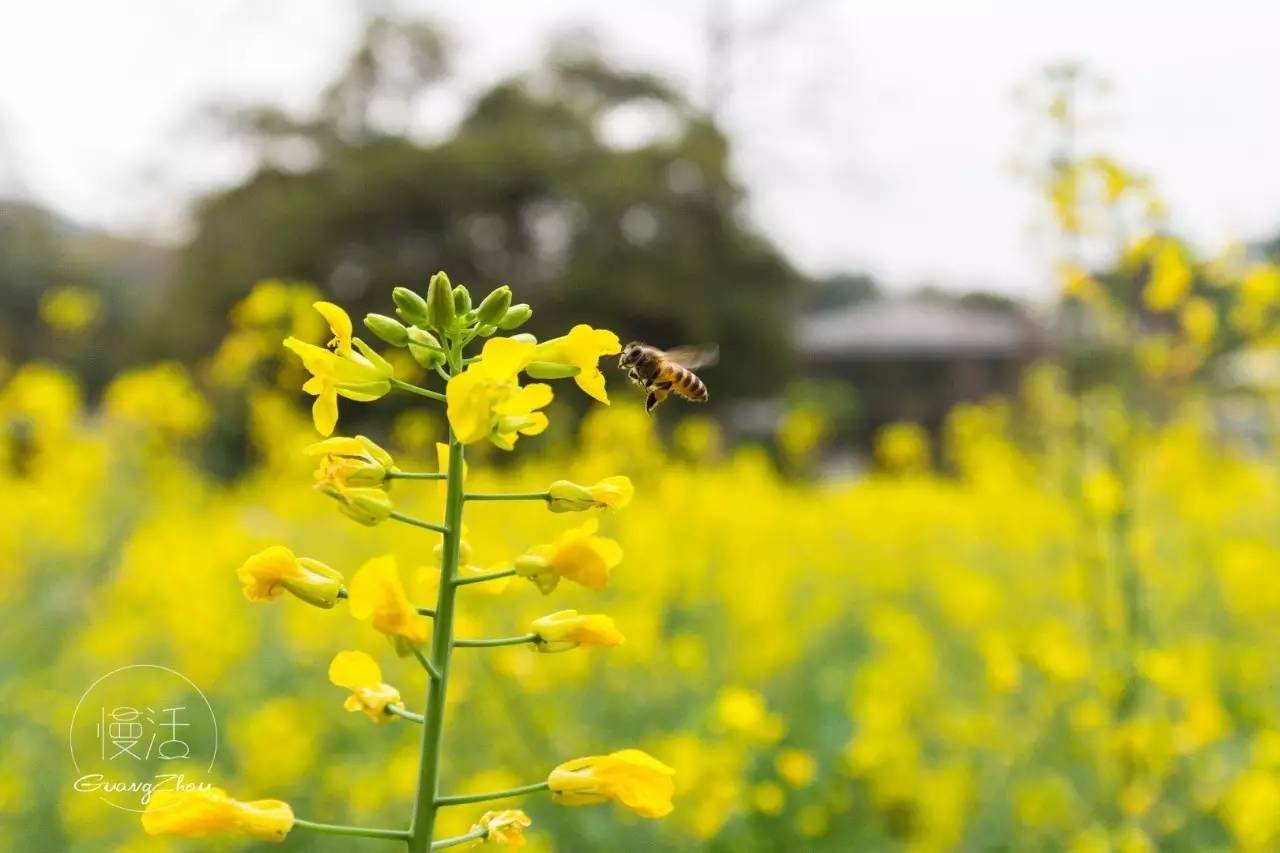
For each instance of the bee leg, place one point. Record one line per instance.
(651, 402)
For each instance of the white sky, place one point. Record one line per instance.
(872, 136)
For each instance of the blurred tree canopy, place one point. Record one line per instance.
(532, 188)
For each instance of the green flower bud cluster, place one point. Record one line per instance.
(445, 312)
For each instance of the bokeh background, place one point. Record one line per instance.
(975, 547)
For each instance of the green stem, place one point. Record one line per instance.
(417, 475)
(487, 576)
(417, 522)
(414, 389)
(339, 829)
(424, 807)
(400, 711)
(511, 496)
(496, 641)
(463, 799)
(473, 835)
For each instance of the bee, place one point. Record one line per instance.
(663, 373)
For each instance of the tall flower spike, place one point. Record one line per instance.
(582, 348)
(358, 374)
(567, 629)
(377, 596)
(578, 555)
(267, 574)
(209, 811)
(361, 674)
(633, 778)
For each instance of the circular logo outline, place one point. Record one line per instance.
(71, 730)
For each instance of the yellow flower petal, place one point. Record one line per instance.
(339, 324)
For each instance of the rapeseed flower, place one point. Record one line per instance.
(346, 462)
(209, 811)
(361, 674)
(609, 493)
(276, 569)
(567, 629)
(486, 400)
(504, 827)
(629, 777)
(377, 596)
(582, 348)
(351, 369)
(577, 555)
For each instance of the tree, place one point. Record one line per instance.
(647, 239)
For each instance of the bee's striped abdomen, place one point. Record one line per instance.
(687, 384)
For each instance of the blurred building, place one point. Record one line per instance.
(914, 358)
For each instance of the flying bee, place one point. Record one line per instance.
(663, 373)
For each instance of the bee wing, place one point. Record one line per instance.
(694, 357)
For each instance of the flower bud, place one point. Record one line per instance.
(387, 329)
(516, 316)
(425, 349)
(486, 331)
(609, 493)
(551, 370)
(461, 300)
(494, 307)
(440, 311)
(411, 307)
(366, 505)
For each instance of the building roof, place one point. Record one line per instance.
(913, 328)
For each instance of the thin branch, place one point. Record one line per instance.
(414, 389)
(340, 829)
(426, 664)
(417, 522)
(463, 799)
(417, 475)
(509, 496)
(475, 834)
(400, 711)
(496, 641)
(487, 576)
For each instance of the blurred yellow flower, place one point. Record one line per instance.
(346, 462)
(1171, 278)
(577, 555)
(361, 375)
(630, 777)
(609, 493)
(207, 811)
(504, 827)
(271, 571)
(567, 629)
(1199, 320)
(796, 766)
(582, 348)
(903, 448)
(486, 400)
(70, 309)
(361, 674)
(377, 596)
